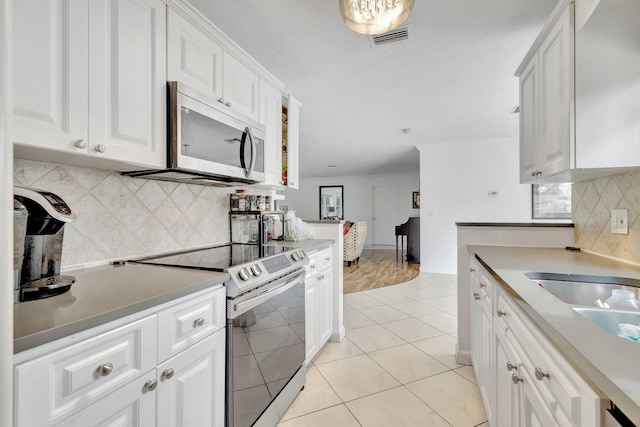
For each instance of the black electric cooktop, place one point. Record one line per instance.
(217, 258)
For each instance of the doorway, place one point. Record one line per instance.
(383, 201)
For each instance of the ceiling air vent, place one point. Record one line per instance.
(400, 34)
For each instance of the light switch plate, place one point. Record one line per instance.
(620, 221)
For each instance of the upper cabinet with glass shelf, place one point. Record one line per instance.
(578, 93)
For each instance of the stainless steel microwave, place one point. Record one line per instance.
(208, 143)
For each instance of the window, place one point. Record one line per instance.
(551, 201)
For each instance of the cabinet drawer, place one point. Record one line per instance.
(324, 259)
(67, 380)
(185, 324)
(545, 367)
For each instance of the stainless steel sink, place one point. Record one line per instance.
(583, 289)
(609, 319)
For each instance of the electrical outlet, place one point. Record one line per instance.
(620, 221)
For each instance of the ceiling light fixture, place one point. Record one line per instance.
(374, 16)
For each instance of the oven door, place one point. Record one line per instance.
(266, 347)
(205, 136)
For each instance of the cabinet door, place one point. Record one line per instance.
(324, 306)
(271, 118)
(555, 59)
(486, 362)
(130, 406)
(240, 87)
(192, 57)
(507, 406)
(127, 86)
(191, 389)
(534, 412)
(529, 111)
(311, 319)
(293, 170)
(50, 74)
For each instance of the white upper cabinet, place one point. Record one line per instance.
(127, 80)
(193, 58)
(293, 155)
(89, 79)
(271, 118)
(240, 87)
(197, 60)
(578, 96)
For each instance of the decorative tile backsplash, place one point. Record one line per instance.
(592, 203)
(121, 217)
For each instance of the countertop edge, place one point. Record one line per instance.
(516, 224)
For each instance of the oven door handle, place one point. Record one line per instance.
(289, 282)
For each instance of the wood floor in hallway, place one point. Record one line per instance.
(377, 268)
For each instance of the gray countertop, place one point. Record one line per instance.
(607, 362)
(307, 245)
(103, 294)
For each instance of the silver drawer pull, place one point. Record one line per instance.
(483, 285)
(471, 269)
(476, 296)
(511, 366)
(168, 374)
(80, 143)
(501, 313)
(198, 322)
(516, 379)
(540, 375)
(151, 385)
(312, 266)
(328, 258)
(105, 369)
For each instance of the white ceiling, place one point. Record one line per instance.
(453, 82)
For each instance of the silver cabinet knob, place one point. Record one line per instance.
(312, 266)
(101, 148)
(80, 143)
(167, 374)
(105, 369)
(198, 322)
(221, 100)
(511, 366)
(228, 104)
(483, 285)
(328, 258)
(516, 379)
(150, 385)
(476, 296)
(471, 269)
(540, 374)
(501, 313)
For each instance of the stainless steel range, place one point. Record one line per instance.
(265, 326)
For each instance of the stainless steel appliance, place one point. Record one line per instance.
(265, 326)
(40, 274)
(208, 143)
(20, 215)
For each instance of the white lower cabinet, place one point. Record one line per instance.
(114, 378)
(318, 302)
(523, 379)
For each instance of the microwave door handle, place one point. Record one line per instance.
(252, 163)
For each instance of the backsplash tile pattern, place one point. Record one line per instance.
(592, 204)
(122, 217)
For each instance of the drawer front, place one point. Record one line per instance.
(324, 259)
(72, 378)
(542, 363)
(189, 322)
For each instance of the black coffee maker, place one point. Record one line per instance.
(48, 213)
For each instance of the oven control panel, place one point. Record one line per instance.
(254, 274)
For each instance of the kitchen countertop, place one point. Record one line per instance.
(103, 294)
(307, 245)
(607, 362)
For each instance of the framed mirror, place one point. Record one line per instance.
(331, 202)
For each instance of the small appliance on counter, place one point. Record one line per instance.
(41, 259)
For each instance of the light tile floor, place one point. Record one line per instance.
(395, 367)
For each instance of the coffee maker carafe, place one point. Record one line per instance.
(48, 213)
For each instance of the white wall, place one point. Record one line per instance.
(357, 197)
(455, 180)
